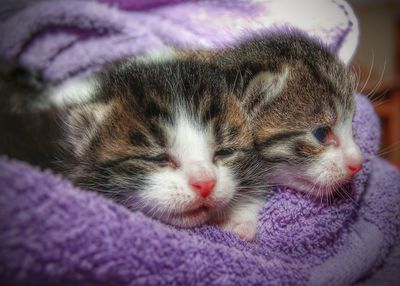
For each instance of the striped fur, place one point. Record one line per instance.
(121, 141)
(139, 132)
(291, 85)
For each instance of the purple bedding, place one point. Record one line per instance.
(54, 234)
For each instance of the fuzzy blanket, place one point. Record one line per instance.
(54, 234)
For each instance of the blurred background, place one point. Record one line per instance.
(378, 63)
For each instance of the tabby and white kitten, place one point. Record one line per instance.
(300, 102)
(169, 139)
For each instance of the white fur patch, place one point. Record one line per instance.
(156, 56)
(328, 172)
(169, 193)
(332, 167)
(73, 92)
(243, 217)
(350, 151)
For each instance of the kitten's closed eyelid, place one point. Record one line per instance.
(224, 152)
(227, 152)
(159, 159)
(114, 162)
(165, 159)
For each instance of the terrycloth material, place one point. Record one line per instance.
(65, 38)
(54, 234)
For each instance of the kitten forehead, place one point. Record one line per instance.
(83, 123)
(189, 140)
(308, 100)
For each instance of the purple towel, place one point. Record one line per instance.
(68, 37)
(54, 234)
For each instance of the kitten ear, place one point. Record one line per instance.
(83, 122)
(263, 88)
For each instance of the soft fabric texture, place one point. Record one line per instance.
(52, 233)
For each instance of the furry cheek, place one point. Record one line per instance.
(167, 190)
(225, 188)
(329, 169)
(334, 165)
(169, 197)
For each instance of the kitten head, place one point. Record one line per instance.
(301, 111)
(164, 140)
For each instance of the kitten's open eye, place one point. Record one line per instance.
(223, 153)
(321, 133)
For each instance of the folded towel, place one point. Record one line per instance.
(52, 233)
(68, 37)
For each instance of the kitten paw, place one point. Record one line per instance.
(246, 230)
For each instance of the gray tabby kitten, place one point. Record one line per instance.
(300, 104)
(170, 139)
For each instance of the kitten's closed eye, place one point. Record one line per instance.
(165, 160)
(223, 153)
(161, 159)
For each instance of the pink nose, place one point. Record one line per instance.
(354, 169)
(203, 187)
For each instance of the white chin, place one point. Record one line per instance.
(306, 184)
(322, 190)
(188, 219)
(313, 188)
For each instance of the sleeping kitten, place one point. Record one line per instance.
(168, 139)
(300, 103)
